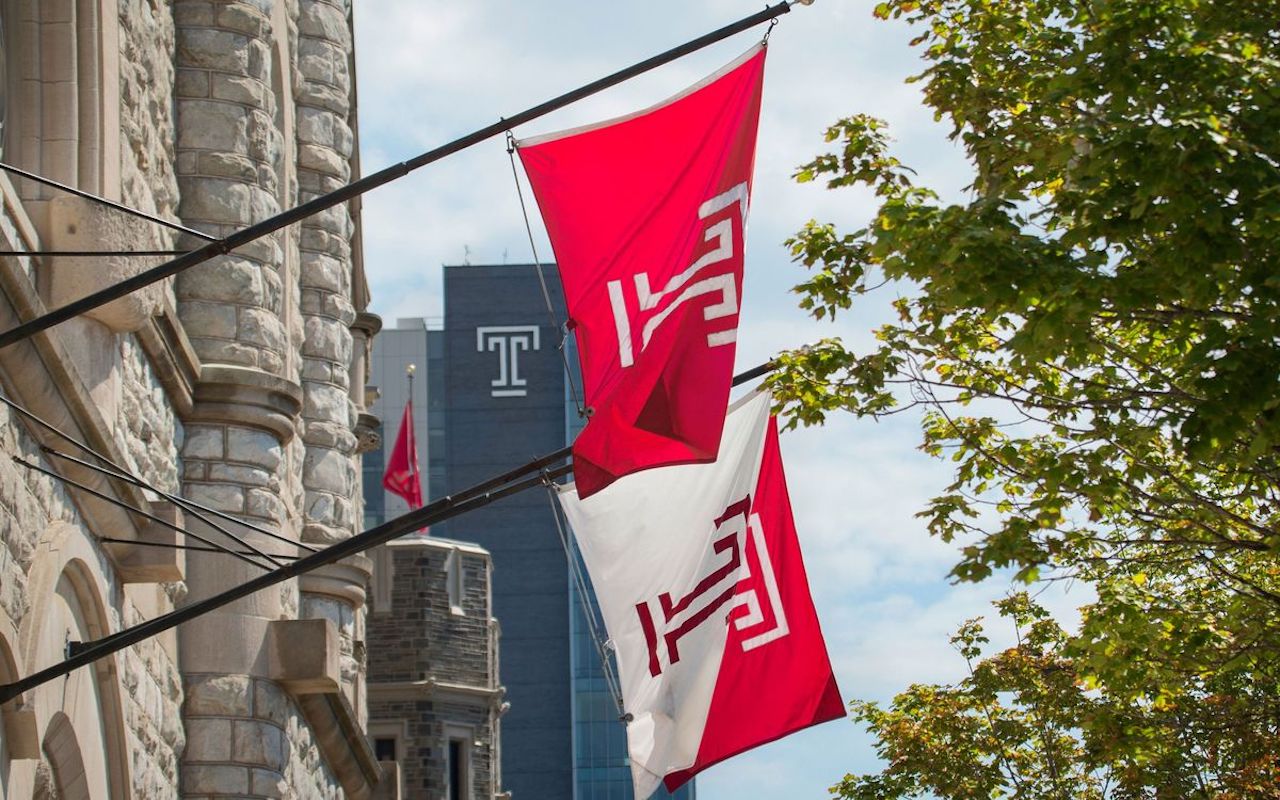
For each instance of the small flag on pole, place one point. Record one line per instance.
(647, 216)
(703, 590)
(402, 467)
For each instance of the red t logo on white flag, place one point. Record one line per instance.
(647, 216)
(703, 590)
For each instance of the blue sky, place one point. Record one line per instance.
(430, 71)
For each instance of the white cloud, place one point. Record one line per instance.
(431, 71)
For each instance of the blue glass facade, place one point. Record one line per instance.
(496, 396)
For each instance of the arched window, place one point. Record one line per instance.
(61, 96)
(66, 762)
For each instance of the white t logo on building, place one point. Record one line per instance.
(507, 341)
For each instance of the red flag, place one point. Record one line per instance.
(705, 598)
(765, 693)
(402, 468)
(647, 216)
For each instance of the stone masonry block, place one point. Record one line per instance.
(323, 271)
(326, 403)
(208, 739)
(213, 125)
(225, 280)
(259, 743)
(322, 159)
(262, 328)
(270, 703)
(327, 471)
(192, 83)
(323, 96)
(243, 19)
(327, 339)
(323, 21)
(221, 351)
(151, 561)
(208, 319)
(213, 49)
(219, 695)
(218, 199)
(214, 780)
(216, 164)
(254, 447)
(240, 89)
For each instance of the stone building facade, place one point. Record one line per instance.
(238, 385)
(435, 703)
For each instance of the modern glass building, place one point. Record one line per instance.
(496, 397)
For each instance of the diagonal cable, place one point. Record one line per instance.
(171, 546)
(200, 512)
(62, 187)
(124, 475)
(556, 325)
(575, 568)
(146, 514)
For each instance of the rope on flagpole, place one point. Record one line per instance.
(542, 280)
(602, 644)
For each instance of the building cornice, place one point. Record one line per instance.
(439, 690)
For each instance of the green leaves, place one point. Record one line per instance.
(1095, 338)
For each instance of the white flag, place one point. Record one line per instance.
(700, 581)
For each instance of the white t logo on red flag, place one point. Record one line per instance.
(701, 584)
(647, 216)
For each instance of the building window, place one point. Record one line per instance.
(459, 769)
(385, 749)
(453, 581)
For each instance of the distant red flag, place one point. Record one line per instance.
(402, 468)
(647, 216)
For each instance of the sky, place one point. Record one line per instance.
(430, 71)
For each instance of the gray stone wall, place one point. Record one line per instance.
(424, 760)
(434, 670)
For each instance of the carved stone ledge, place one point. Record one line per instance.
(368, 433)
(79, 224)
(368, 323)
(304, 656)
(246, 396)
(345, 580)
(304, 659)
(156, 558)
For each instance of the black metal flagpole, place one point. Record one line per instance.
(478, 496)
(363, 185)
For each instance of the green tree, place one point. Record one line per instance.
(1094, 337)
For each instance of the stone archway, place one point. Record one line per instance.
(67, 586)
(67, 776)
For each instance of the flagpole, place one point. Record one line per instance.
(475, 497)
(352, 190)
